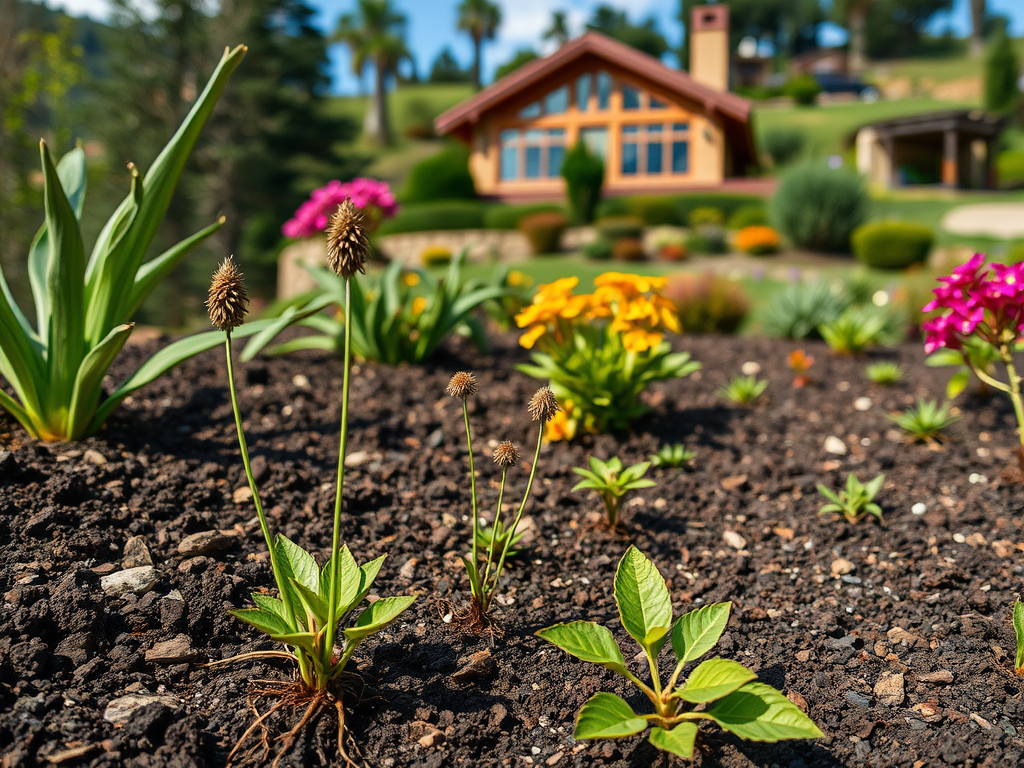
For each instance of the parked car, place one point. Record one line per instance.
(835, 84)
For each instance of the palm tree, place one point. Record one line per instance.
(854, 13)
(480, 19)
(375, 34)
(558, 30)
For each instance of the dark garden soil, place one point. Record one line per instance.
(896, 639)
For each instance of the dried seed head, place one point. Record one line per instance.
(227, 300)
(462, 385)
(543, 405)
(346, 241)
(506, 454)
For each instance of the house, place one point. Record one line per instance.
(955, 148)
(820, 61)
(658, 129)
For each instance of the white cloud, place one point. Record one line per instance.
(95, 9)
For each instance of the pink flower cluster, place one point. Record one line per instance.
(984, 300)
(374, 198)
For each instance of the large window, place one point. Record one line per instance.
(583, 93)
(532, 154)
(630, 97)
(646, 148)
(557, 102)
(604, 89)
(509, 154)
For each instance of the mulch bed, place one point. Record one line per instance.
(896, 639)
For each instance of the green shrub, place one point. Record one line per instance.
(799, 309)
(803, 89)
(435, 256)
(544, 231)
(1002, 70)
(612, 207)
(583, 172)
(818, 208)
(727, 203)
(752, 215)
(708, 303)
(617, 227)
(432, 217)
(706, 216)
(707, 240)
(784, 145)
(502, 216)
(444, 176)
(657, 212)
(598, 250)
(628, 249)
(1010, 169)
(684, 204)
(892, 244)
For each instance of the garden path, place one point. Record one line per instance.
(1002, 220)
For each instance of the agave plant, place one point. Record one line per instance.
(84, 306)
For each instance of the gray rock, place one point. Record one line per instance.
(136, 553)
(131, 580)
(177, 650)
(121, 709)
(858, 699)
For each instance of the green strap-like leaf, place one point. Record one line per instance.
(300, 564)
(264, 621)
(1018, 629)
(696, 632)
(378, 615)
(645, 606)
(274, 326)
(606, 716)
(587, 641)
(758, 712)
(713, 679)
(678, 741)
(311, 602)
(85, 396)
(304, 640)
(11, 405)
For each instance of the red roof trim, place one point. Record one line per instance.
(606, 48)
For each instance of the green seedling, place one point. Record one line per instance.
(492, 539)
(673, 456)
(611, 482)
(743, 390)
(312, 614)
(927, 421)
(726, 692)
(885, 373)
(856, 502)
(855, 331)
(1018, 630)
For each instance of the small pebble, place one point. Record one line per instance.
(750, 368)
(919, 509)
(863, 404)
(835, 446)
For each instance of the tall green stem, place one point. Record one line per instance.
(1015, 397)
(494, 529)
(332, 608)
(472, 479)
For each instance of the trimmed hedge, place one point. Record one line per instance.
(818, 207)
(444, 176)
(617, 227)
(892, 244)
(1010, 169)
(753, 215)
(502, 216)
(544, 231)
(653, 211)
(429, 217)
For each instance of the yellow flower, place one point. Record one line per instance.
(418, 305)
(518, 280)
(528, 339)
(561, 427)
(640, 341)
(411, 279)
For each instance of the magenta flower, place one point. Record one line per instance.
(374, 198)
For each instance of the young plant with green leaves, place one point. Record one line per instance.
(885, 373)
(403, 318)
(856, 501)
(1018, 631)
(974, 355)
(673, 456)
(611, 482)
(743, 390)
(83, 303)
(727, 693)
(312, 614)
(856, 330)
(927, 421)
(494, 550)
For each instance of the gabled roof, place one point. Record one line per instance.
(603, 47)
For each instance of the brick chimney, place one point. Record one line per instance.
(709, 46)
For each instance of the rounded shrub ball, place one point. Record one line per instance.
(817, 207)
(892, 244)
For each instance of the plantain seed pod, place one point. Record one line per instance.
(346, 241)
(462, 385)
(227, 301)
(543, 405)
(506, 454)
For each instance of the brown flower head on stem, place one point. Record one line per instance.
(543, 405)
(462, 385)
(346, 241)
(227, 301)
(506, 454)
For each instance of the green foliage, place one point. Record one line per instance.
(707, 216)
(818, 208)
(858, 329)
(783, 146)
(598, 250)
(743, 390)
(583, 172)
(856, 502)
(644, 36)
(611, 481)
(435, 256)
(750, 215)
(1010, 171)
(975, 355)
(83, 305)
(657, 211)
(728, 692)
(443, 176)
(892, 244)
(521, 57)
(497, 538)
(614, 228)
(885, 373)
(675, 456)
(1002, 70)
(927, 421)
(504, 216)
(800, 309)
(803, 89)
(707, 303)
(430, 217)
(707, 240)
(544, 231)
(398, 320)
(1018, 630)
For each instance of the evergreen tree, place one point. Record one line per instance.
(644, 36)
(1002, 74)
(519, 58)
(446, 69)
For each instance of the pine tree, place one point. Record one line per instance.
(1002, 73)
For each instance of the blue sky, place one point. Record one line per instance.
(432, 26)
